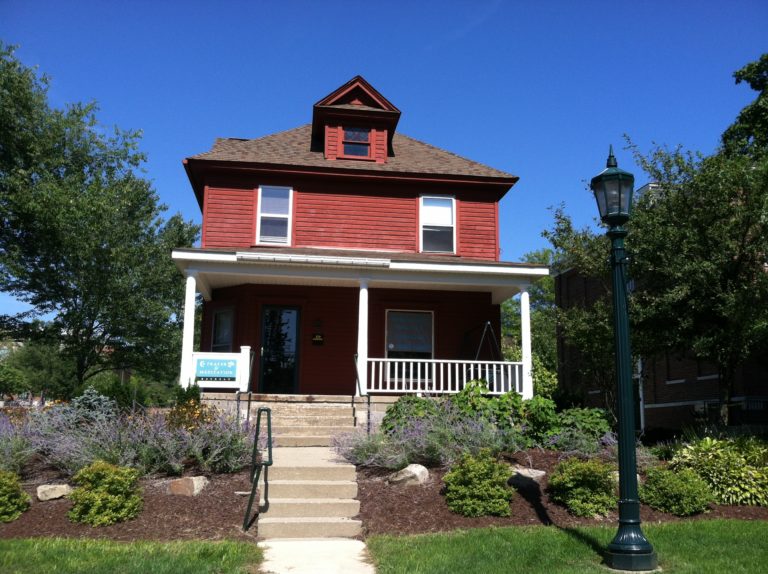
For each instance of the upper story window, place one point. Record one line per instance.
(223, 323)
(356, 142)
(438, 229)
(273, 223)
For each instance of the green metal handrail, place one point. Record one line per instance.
(256, 467)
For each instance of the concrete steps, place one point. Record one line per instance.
(302, 424)
(311, 494)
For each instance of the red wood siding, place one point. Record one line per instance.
(356, 221)
(331, 142)
(349, 215)
(379, 143)
(476, 235)
(229, 217)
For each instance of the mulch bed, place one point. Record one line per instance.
(387, 509)
(217, 512)
(214, 514)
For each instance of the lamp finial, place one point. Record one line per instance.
(611, 158)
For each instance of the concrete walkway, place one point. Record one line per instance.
(315, 556)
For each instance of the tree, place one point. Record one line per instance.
(83, 237)
(698, 247)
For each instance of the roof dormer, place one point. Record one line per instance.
(355, 122)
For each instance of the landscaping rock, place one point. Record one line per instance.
(52, 491)
(413, 474)
(187, 486)
(524, 476)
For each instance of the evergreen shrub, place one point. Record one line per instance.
(105, 494)
(681, 493)
(13, 499)
(477, 486)
(584, 487)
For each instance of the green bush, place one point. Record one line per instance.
(681, 493)
(106, 494)
(585, 488)
(473, 400)
(507, 410)
(592, 422)
(13, 500)
(724, 466)
(541, 420)
(477, 486)
(404, 410)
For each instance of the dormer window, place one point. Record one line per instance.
(356, 142)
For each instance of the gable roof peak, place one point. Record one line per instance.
(357, 92)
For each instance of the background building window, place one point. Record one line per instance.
(223, 323)
(409, 334)
(437, 224)
(274, 218)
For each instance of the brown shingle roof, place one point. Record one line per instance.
(293, 148)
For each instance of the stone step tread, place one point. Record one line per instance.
(302, 441)
(307, 430)
(309, 520)
(312, 482)
(312, 473)
(310, 507)
(273, 500)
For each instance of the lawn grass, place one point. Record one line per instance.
(701, 547)
(85, 556)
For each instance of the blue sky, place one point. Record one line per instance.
(536, 88)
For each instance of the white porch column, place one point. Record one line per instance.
(362, 337)
(525, 341)
(188, 336)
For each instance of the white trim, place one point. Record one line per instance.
(675, 381)
(525, 343)
(421, 222)
(695, 402)
(288, 217)
(708, 377)
(208, 257)
(362, 338)
(464, 268)
(186, 373)
(386, 330)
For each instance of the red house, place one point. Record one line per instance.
(351, 259)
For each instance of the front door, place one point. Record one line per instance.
(279, 350)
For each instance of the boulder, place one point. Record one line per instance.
(187, 486)
(413, 474)
(52, 491)
(525, 476)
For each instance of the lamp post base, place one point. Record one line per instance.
(631, 562)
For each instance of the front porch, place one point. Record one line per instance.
(351, 324)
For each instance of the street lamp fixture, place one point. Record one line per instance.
(629, 549)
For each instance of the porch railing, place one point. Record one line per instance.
(439, 376)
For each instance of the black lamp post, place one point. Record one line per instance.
(629, 549)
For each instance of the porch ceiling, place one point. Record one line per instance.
(218, 269)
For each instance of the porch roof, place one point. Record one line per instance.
(217, 268)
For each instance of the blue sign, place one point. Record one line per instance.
(216, 370)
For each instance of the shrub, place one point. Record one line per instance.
(15, 445)
(190, 415)
(473, 400)
(220, 444)
(13, 500)
(585, 488)
(106, 494)
(726, 470)
(185, 395)
(507, 410)
(681, 493)
(404, 410)
(541, 420)
(477, 486)
(591, 422)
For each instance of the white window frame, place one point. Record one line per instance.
(220, 311)
(386, 329)
(260, 214)
(421, 222)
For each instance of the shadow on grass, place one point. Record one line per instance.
(530, 491)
